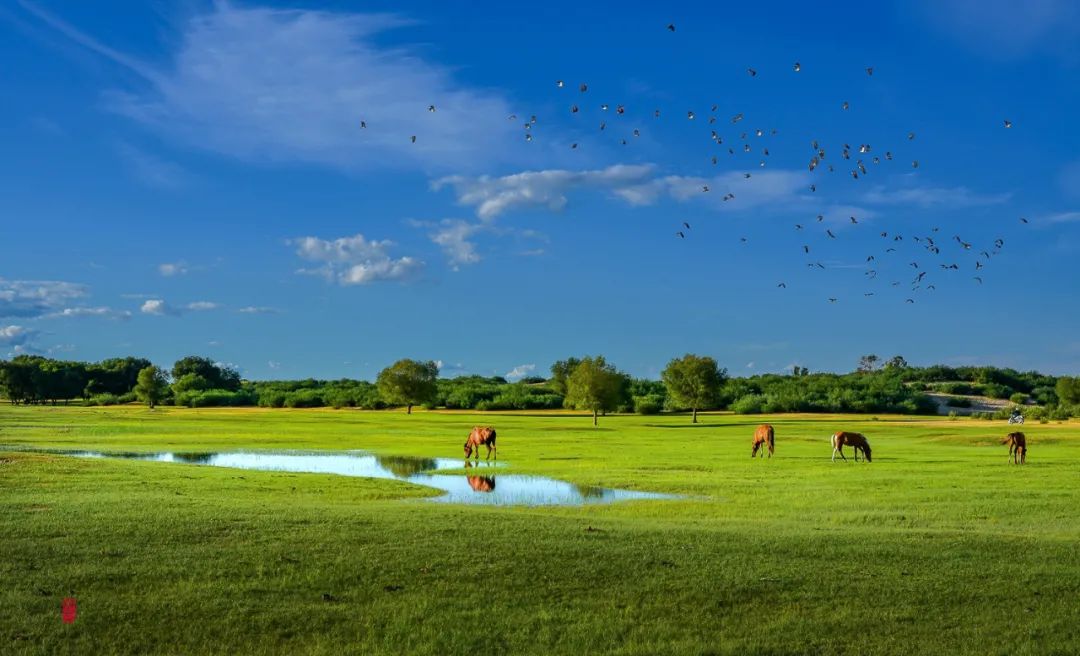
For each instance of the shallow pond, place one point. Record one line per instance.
(481, 484)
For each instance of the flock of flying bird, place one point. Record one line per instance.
(932, 243)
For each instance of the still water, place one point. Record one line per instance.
(481, 484)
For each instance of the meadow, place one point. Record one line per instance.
(937, 546)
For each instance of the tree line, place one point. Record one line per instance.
(690, 383)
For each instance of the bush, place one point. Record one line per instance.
(996, 391)
(216, 398)
(958, 402)
(104, 399)
(650, 404)
(306, 398)
(1019, 398)
(751, 404)
(953, 416)
(272, 399)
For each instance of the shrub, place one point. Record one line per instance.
(751, 404)
(953, 416)
(650, 404)
(105, 399)
(958, 402)
(306, 398)
(996, 391)
(272, 399)
(1019, 398)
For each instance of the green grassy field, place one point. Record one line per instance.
(937, 546)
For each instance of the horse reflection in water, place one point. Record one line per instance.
(479, 483)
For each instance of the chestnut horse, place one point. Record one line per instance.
(856, 441)
(764, 437)
(1017, 448)
(481, 435)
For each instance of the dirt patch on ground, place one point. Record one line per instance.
(978, 403)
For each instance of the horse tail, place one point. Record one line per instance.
(492, 435)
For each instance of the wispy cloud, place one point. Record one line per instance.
(1005, 29)
(284, 85)
(354, 260)
(1059, 217)
(16, 335)
(152, 170)
(170, 269)
(83, 311)
(636, 184)
(36, 298)
(254, 309)
(949, 197)
(202, 306)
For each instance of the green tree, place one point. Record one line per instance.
(896, 362)
(868, 363)
(1068, 390)
(596, 386)
(560, 373)
(694, 382)
(408, 383)
(217, 376)
(151, 386)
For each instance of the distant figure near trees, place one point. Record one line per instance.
(1017, 447)
(856, 441)
(481, 435)
(764, 438)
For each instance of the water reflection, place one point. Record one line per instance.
(473, 488)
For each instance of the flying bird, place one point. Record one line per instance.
(671, 27)
(1023, 220)
(830, 233)
(363, 124)
(431, 108)
(681, 235)
(782, 285)
(869, 70)
(686, 225)
(752, 72)
(413, 138)
(1008, 123)
(798, 67)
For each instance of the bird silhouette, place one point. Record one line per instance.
(671, 27)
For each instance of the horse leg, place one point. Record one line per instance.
(753, 452)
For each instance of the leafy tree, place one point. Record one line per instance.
(218, 376)
(694, 382)
(408, 383)
(151, 386)
(868, 363)
(1068, 390)
(596, 386)
(896, 362)
(560, 374)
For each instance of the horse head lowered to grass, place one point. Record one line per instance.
(481, 435)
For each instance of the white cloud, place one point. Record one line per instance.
(1060, 217)
(453, 237)
(100, 311)
(35, 298)
(520, 371)
(255, 309)
(169, 269)
(158, 307)
(273, 364)
(954, 197)
(16, 335)
(152, 170)
(635, 185)
(492, 196)
(202, 306)
(1006, 29)
(354, 260)
(285, 85)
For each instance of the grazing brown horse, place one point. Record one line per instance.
(482, 483)
(856, 441)
(764, 437)
(481, 435)
(1017, 447)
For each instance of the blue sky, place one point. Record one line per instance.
(193, 178)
